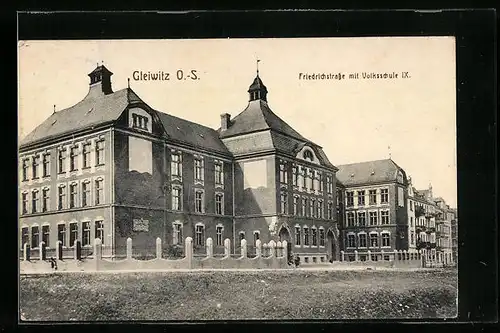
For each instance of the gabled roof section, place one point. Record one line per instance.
(378, 171)
(191, 133)
(257, 117)
(93, 110)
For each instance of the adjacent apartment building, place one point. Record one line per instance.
(374, 209)
(112, 167)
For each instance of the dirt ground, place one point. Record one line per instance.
(291, 294)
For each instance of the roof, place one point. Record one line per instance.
(257, 84)
(258, 116)
(192, 133)
(368, 172)
(94, 109)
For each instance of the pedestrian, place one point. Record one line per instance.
(297, 261)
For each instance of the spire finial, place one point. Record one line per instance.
(258, 60)
(54, 109)
(128, 82)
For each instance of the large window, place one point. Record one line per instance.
(99, 230)
(219, 231)
(329, 184)
(361, 198)
(304, 207)
(61, 234)
(219, 174)
(61, 157)
(295, 176)
(73, 233)
(330, 210)
(99, 152)
(176, 198)
(256, 237)
(25, 169)
(386, 240)
(373, 218)
(99, 198)
(24, 203)
(61, 194)
(384, 217)
(46, 165)
(73, 159)
(198, 201)
(34, 165)
(321, 237)
(362, 240)
(25, 236)
(373, 240)
(177, 233)
(320, 209)
(320, 181)
(351, 240)
(198, 170)
(34, 201)
(45, 199)
(306, 236)
(312, 211)
(384, 195)
(200, 235)
(311, 180)
(73, 192)
(373, 197)
(284, 203)
(86, 233)
(219, 203)
(85, 193)
(350, 219)
(296, 205)
(349, 199)
(46, 235)
(35, 237)
(362, 218)
(314, 234)
(175, 165)
(86, 155)
(297, 236)
(283, 174)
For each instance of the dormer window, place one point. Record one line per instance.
(140, 122)
(308, 155)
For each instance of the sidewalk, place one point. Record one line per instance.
(325, 268)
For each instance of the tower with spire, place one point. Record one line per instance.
(257, 90)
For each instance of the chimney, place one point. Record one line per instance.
(225, 121)
(100, 80)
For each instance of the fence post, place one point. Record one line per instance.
(129, 248)
(188, 250)
(342, 255)
(382, 255)
(58, 250)
(26, 252)
(210, 248)
(227, 247)
(97, 252)
(405, 255)
(369, 255)
(43, 253)
(284, 252)
(278, 249)
(158, 248)
(77, 250)
(356, 257)
(243, 248)
(258, 248)
(265, 250)
(272, 246)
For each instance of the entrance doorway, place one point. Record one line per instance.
(284, 235)
(331, 246)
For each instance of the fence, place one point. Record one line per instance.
(270, 255)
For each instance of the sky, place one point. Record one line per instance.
(354, 120)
